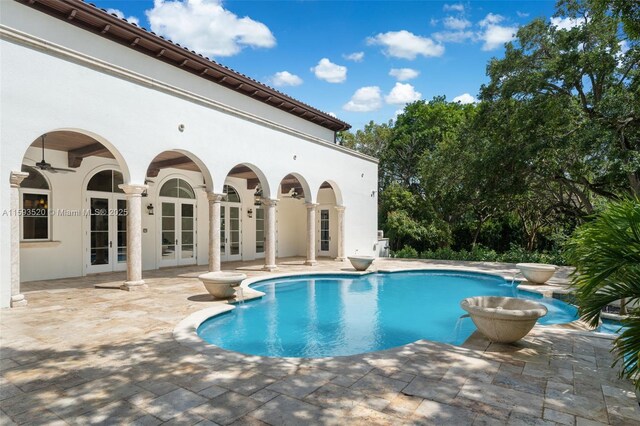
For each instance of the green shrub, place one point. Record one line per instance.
(407, 252)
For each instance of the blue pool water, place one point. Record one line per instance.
(611, 327)
(332, 315)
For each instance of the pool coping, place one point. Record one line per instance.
(186, 331)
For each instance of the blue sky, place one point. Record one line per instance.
(339, 55)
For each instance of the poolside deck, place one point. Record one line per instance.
(84, 355)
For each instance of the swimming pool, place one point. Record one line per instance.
(333, 315)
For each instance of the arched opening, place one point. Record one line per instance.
(64, 236)
(174, 203)
(328, 217)
(242, 214)
(293, 193)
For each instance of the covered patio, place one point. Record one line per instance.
(78, 354)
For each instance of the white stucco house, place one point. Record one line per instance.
(120, 150)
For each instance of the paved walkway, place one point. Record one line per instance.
(83, 355)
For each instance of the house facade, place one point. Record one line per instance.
(120, 150)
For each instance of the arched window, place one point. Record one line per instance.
(177, 188)
(106, 181)
(35, 199)
(231, 195)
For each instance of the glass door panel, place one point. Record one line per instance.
(187, 232)
(325, 238)
(168, 231)
(121, 229)
(99, 233)
(234, 230)
(259, 230)
(223, 230)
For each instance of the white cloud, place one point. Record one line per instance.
(402, 94)
(328, 71)
(465, 98)
(624, 46)
(453, 36)
(365, 99)
(404, 74)
(454, 23)
(565, 23)
(120, 15)
(522, 14)
(455, 7)
(285, 78)
(493, 34)
(332, 114)
(207, 27)
(355, 56)
(406, 45)
(490, 19)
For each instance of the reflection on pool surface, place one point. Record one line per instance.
(331, 315)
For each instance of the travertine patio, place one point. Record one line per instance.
(84, 355)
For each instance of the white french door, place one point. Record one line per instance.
(106, 233)
(324, 234)
(177, 232)
(230, 236)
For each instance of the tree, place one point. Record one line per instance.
(577, 94)
(606, 254)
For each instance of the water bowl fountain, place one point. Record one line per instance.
(221, 285)
(361, 263)
(503, 319)
(537, 273)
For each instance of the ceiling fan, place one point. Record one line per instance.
(47, 167)
(293, 193)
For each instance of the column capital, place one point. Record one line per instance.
(216, 198)
(311, 205)
(16, 178)
(340, 208)
(270, 201)
(133, 189)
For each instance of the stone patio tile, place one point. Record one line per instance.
(432, 389)
(142, 398)
(403, 406)
(119, 412)
(334, 396)
(580, 421)
(157, 387)
(558, 417)
(345, 381)
(520, 382)
(503, 398)
(298, 386)
(482, 420)
(373, 384)
(7, 364)
(188, 418)
(362, 415)
(249, 421)
(433, 412)
(146, 420)
(521, 419)
(6, 420)
(212, 391)
(287, 411)
(249, 385)
(226, 408)
(174, 403)
(481, 408)
(577, 405)
(264, 395)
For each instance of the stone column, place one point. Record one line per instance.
(17, 298)
(311, 234)
(134, 237)
(214, 231)
(270, 243)
(341, 257)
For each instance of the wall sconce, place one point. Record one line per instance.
(250, 213)
(373, 193)
(150, 209)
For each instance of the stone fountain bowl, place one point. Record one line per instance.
(221, 285)
(361, 263)
(537, 273)
(503, 319)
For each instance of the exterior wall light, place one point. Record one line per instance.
(250, 213)
(150, 209)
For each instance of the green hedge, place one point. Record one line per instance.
(515, 254)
